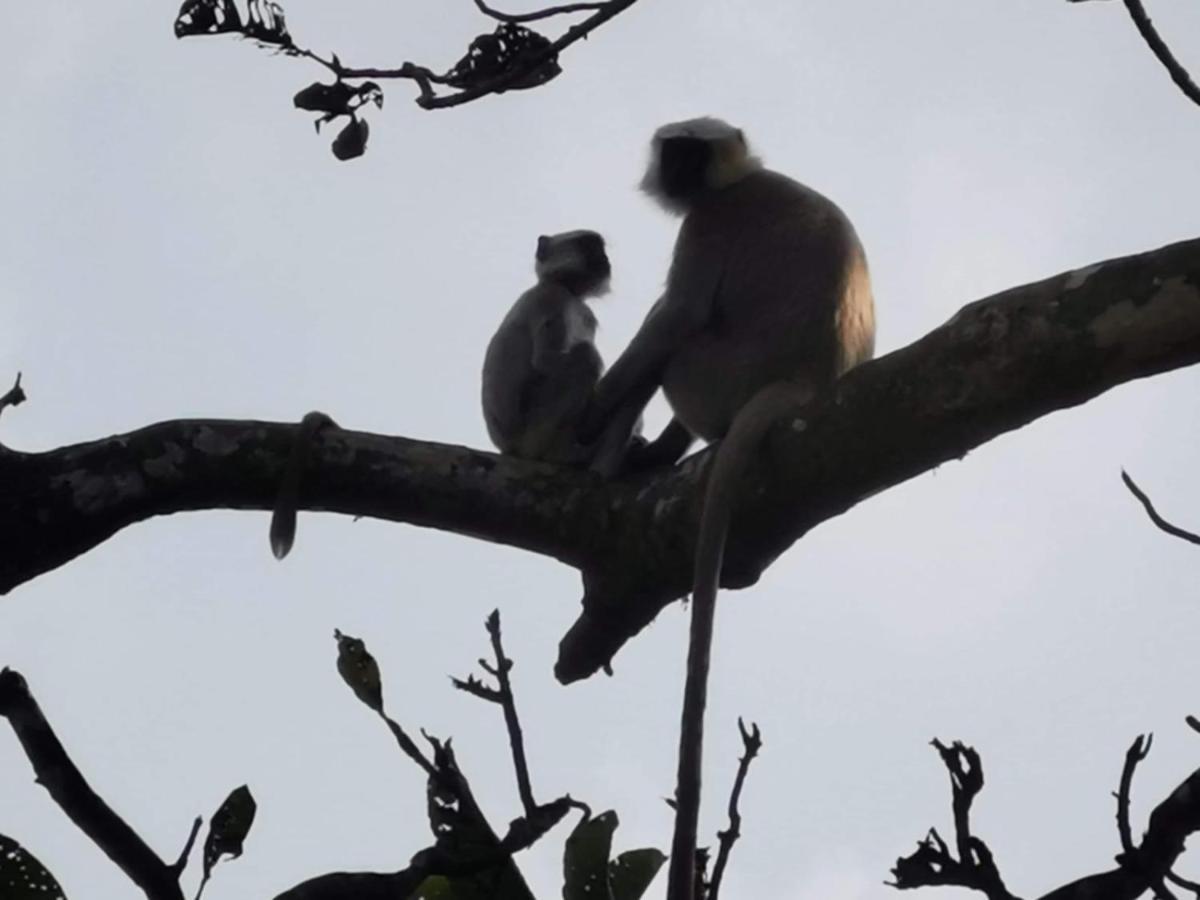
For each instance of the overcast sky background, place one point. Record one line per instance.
(176, 242)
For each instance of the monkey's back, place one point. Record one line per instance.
(793, 299)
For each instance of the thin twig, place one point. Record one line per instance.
(1138, 751)
(14, 397)
(509, 704)
(409, 746)
(1154, 41)
(751, 743)
(1158, 520)
(180, 864)
(58, 774)
(534, 16)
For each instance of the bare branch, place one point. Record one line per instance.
(1158, 46)
(516, 739)
(58, 774)
(932, 863)
(15, 395)
(1158, 520)
(409, 746)
(751, 744)
(181, 863)
(534, 16)
(1137, 752)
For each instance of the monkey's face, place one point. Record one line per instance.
(683, 164)
(575, 259)
(693, 158)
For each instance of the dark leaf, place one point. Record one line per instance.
(350, 143)
(585, 859)
(264, 20)
(228, 829)
(339, 98)
(436, 887)
(631, 873)
(207, 17)
(325, 98)
(510, 47)
(463, 834)
(22, 877)
(354, 663)
(266, 23)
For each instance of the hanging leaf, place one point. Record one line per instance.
(350, 143)
(325, 98)
(228, 829)
(585, 859)
(358, 667)
(339, 98)
(631, 873)
(22, 877)
(510, 47)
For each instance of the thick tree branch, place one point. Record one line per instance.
(57, 773)
(997, 365)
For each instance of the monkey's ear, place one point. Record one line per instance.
(741, 135)
(543, 246)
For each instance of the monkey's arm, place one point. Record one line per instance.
(686, 308)
(665, 450)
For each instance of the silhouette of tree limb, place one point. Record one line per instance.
(514, 76)
(997, 365)
(1158, 520)
(58, 774)
(565, 9)
(1141, 867)
(933, 864)
(15, 396)
(1159, 48)
(751, 744)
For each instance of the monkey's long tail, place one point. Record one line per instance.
(283, 517)
(747, 430)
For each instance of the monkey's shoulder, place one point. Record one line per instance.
(550, 304)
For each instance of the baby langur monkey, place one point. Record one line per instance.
(767, 302)
(538, 375)
(542, 364)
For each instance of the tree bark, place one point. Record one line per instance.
(998, 364)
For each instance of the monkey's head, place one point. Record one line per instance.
(574, 259)
(691, 159)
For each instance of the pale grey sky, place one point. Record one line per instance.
(176, 242)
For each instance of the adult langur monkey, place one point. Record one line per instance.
(767, 302)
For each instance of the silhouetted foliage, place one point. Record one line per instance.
(511, 57)
(22, 877)
(510, 48)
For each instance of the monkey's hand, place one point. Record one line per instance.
(662, 453)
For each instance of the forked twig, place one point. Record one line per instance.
(751, 744)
